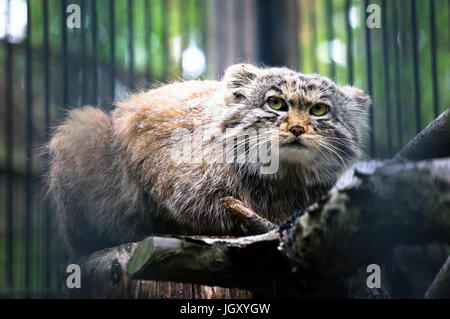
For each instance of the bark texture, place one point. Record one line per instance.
(432, 142)
(104, 275)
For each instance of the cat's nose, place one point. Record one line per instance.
(297, 130)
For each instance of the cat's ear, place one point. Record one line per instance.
(360, 98)
(239, 75)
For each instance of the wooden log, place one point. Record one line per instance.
(119, 284)
(374, 207)
(228, 262)
(103, 275)
(432, 142)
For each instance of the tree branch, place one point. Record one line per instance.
(251, 221)
(104, 275)
(374, 207)
(432, 142)
(440, 288)
(226, 262)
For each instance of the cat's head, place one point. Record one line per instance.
(315, 122)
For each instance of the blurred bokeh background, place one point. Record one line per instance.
(128, 45)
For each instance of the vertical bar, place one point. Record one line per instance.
(239, 36)
(65, 84)
(47, 225)
(185, 23)
(398, 100)
(433, 59)
(84, 81)
(219, 40)
(130, 45)
(147, 33)
(28, 152)
(300, 37)
(349, 41)
(203, 24)
(369, 79)
(165, 40)
(94, 52)
(330, 36)
(112, 55)
(9, 151)
(387, 83)
(182, 10)
(313, 22)
(292, 23)
(417, 95)
(269, 28)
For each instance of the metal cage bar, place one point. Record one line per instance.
(368, 46)
(349, 42)
(94, 52)
(148, 47)
(387, 81)
(398, 100)
(28, 150)
(330, 36)
(112, 47)
(434, 80)
(415, 51)
(130, 19)
(47, 212)
(64, 65)
(83, 48)
(9, 152)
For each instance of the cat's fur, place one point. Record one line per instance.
(112, 179)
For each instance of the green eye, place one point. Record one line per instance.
(319, 109)
(276, 103)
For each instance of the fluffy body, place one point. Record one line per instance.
(112, 178)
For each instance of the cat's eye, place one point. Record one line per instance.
(319, 109)
(276, 103)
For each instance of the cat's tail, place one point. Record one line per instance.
(78, 161)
